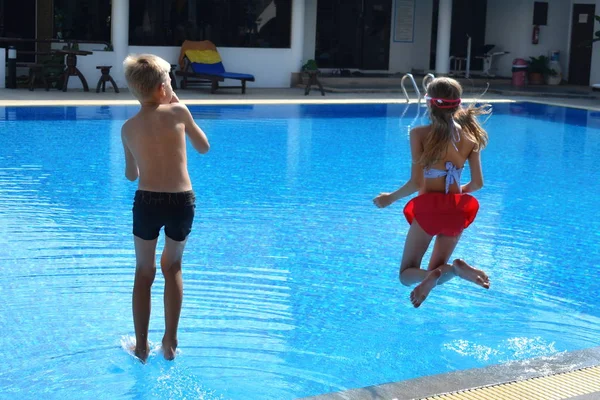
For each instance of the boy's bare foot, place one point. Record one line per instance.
(141, 352)
(471, 274)
(420, 293)
(169, 348)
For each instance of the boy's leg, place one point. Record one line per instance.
(145, 271)
(170, 263)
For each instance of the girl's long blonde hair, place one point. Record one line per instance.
(444, 114)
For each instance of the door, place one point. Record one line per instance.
(582, 31)
(468, 19)
(353, 34)
(375, 29)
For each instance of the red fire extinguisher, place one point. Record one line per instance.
(535, 38)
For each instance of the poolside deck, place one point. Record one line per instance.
(22, 97)
(573, 375)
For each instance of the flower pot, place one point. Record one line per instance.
(536, 78)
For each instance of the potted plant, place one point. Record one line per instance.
(310, 65)
(538, 68)
(309, 70)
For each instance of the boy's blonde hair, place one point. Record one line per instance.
(145, 73)
(442, 118)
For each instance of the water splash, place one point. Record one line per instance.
(512, 349)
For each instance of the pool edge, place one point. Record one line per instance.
(429, 386)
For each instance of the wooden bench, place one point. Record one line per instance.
(38, 70)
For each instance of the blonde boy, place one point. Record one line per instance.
(154, 141)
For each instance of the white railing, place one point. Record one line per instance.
(426, 80)
(415, 87)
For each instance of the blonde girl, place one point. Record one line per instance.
(443, 208)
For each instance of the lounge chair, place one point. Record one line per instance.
(201, 63)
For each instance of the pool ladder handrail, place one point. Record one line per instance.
(415, 86)
(426, 78)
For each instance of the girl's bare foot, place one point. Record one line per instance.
(420, 293)
(169, 348)
(471, 274)
(141, 352)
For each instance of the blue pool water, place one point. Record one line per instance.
(290, 274)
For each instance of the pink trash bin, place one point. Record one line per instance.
(519, 72)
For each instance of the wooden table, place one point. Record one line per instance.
(71, 69)
(313, 80)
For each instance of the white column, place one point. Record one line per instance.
(444, 28)
(310, 29)
(2, 68)
(120, 38)
(297, 35)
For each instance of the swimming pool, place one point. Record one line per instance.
(290, 276)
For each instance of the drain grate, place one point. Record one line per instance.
(551, 387)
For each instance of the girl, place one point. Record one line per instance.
(443, 208)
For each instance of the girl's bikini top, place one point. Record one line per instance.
(451, 173)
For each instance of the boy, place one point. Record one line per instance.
(155, 151)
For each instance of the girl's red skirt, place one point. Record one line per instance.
(442, 213)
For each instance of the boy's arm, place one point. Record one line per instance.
(476, 182)
(131, 168)
(196, 135)
(416, 174)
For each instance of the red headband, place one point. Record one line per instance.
(443, 103)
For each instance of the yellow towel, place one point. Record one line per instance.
(203, 56)
(191, 45)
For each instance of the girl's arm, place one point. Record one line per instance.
(416, 173)
(476, 182)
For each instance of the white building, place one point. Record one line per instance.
(272, 38)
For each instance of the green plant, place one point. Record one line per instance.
(540, 65)
(310, 65)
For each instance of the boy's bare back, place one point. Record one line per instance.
(155, 140)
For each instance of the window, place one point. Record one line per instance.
(226, 23)
(82, 19)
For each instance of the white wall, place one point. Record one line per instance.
(271, 67)
(310, 30)
(406, 56)
(509, 26)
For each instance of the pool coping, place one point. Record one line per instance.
(19, 98)
(437, 385)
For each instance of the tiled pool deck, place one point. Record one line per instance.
(39, 97)
(572, 375)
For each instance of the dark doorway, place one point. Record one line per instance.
(17, 20)
(582, 31)
(353, 34)
(468, 18)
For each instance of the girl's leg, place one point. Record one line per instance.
(442, 251)
(471, 274)
(439, 269)
(417, 242)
